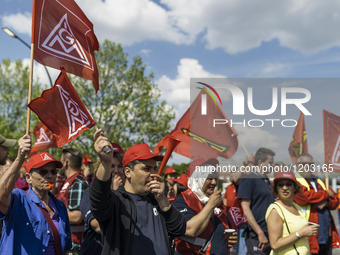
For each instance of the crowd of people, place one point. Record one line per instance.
(50, 206)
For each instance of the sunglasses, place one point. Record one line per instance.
(287, 184)
(43, 172)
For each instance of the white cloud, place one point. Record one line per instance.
(242, 25)
(131, 21)
(275, 69)
(40, 73)
(235, 26)
(256, 137)
(177, 91)
(146, 52)
(20, 23)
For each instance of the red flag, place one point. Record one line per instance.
(62, 111)
(298, 144)
(197, 135)
(237, 216)
(63, 36)
(44, 139)
(331, 133)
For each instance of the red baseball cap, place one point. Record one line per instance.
(140, 151)
(182, 179)
(285, 175)
(170, 170)
(116, 148)
(24, 164)
(41, 159)
(199, 162)
(86, 159)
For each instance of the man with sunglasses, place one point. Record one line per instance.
(72, 192)
(35, 221)
(316, 202)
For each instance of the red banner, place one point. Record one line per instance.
(62, 111)
(197, 136)
(44, 139)
(331, 133)
(63, 36)
(237, 216)
(298, 144)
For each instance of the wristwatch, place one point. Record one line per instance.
(297, 235)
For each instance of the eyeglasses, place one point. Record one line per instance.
(43, 172)
(287, 184)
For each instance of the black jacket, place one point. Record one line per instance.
(116, 214)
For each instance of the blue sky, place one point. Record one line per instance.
(183, 39)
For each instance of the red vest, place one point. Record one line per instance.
(193, 245)
(77, 230)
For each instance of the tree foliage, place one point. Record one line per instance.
(126, 107)
(180, 168)
(14, 79)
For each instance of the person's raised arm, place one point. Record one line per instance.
(104, 170)
(263, 241)
(237, 176)
(197, 224)
(100, 195)
(11, 175)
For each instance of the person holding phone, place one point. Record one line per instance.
(288, 229)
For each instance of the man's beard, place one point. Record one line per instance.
(62, 171)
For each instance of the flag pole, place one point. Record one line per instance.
(244, 148)
(30, 90)
(29, 98)
(300, 148)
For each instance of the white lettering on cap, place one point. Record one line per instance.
(287, 175)
(46, 157)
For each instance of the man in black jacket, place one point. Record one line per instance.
(137, 218)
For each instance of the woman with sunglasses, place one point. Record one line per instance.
(288, 229)
(35, 221)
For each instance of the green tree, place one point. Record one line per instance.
(14, 79)
(127, 105)
(180, 168)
